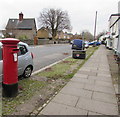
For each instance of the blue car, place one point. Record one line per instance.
(78, 44)
(91, 43)
(95, 43)
(98, 43)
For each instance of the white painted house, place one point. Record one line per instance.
(118, 45)
(114, 28)
(112, 41)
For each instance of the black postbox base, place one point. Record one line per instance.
(79, 54)
(10, 90)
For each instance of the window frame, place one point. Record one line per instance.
(26, 50)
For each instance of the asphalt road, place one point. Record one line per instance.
(45, 55)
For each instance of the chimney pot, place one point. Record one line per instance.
(20, 16)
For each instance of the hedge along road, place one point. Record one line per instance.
(45, 55)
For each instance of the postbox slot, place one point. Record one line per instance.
(15, 49)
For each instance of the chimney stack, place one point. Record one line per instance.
(20, 16)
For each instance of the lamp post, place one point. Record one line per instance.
(95, 28)
(83, 39)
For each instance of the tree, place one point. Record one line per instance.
(55, 20)
(101, 34)
(87, 35)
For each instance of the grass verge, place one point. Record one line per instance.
(27, 87)
(67, 68)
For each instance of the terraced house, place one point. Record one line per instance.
(114, 28)
(22, 28)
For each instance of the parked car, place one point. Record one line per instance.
(91, 43)
(25, 60)
(78, 44)
(86, 44)
(98, 43)
(95, 43)
(71, 42)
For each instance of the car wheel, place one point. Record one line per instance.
(28, 71)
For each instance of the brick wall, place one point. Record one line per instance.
(45, 41)
(30, 34)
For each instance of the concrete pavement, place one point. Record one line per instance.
(89, 92)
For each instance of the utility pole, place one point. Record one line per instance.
(83, 38)
(95, 26)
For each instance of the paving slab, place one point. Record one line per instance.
(89, 68)
(80, 75)
(108, 98)
(104, 89)
(83, 80)
(89, 87)
(93, 66)
(104, 70)
(100, 78)
(59, 109)
(84, 69)
(92, 77)
(104, 75)
(76, 92)
(103, 83)
(75, 85)
(98, 88)
(97, 106)
(103, 67)
(88, 73)
(66, 99)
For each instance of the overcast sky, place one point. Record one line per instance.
(81, 12)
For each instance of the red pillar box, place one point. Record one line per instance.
(10, 67)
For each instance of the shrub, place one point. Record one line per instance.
(23, 37)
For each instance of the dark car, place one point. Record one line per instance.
(78, 44)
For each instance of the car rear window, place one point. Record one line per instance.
(22, 50)
(0, 52)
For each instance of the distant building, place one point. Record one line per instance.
(43, 33)
(68, 35)
(77, 36)
(64, 35)
(60, 35)
(21, 28)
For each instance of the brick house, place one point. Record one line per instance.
(43, 33)
(60, 35)
(68, 35)
(21, 28)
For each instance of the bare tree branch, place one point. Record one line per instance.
(55, 20)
